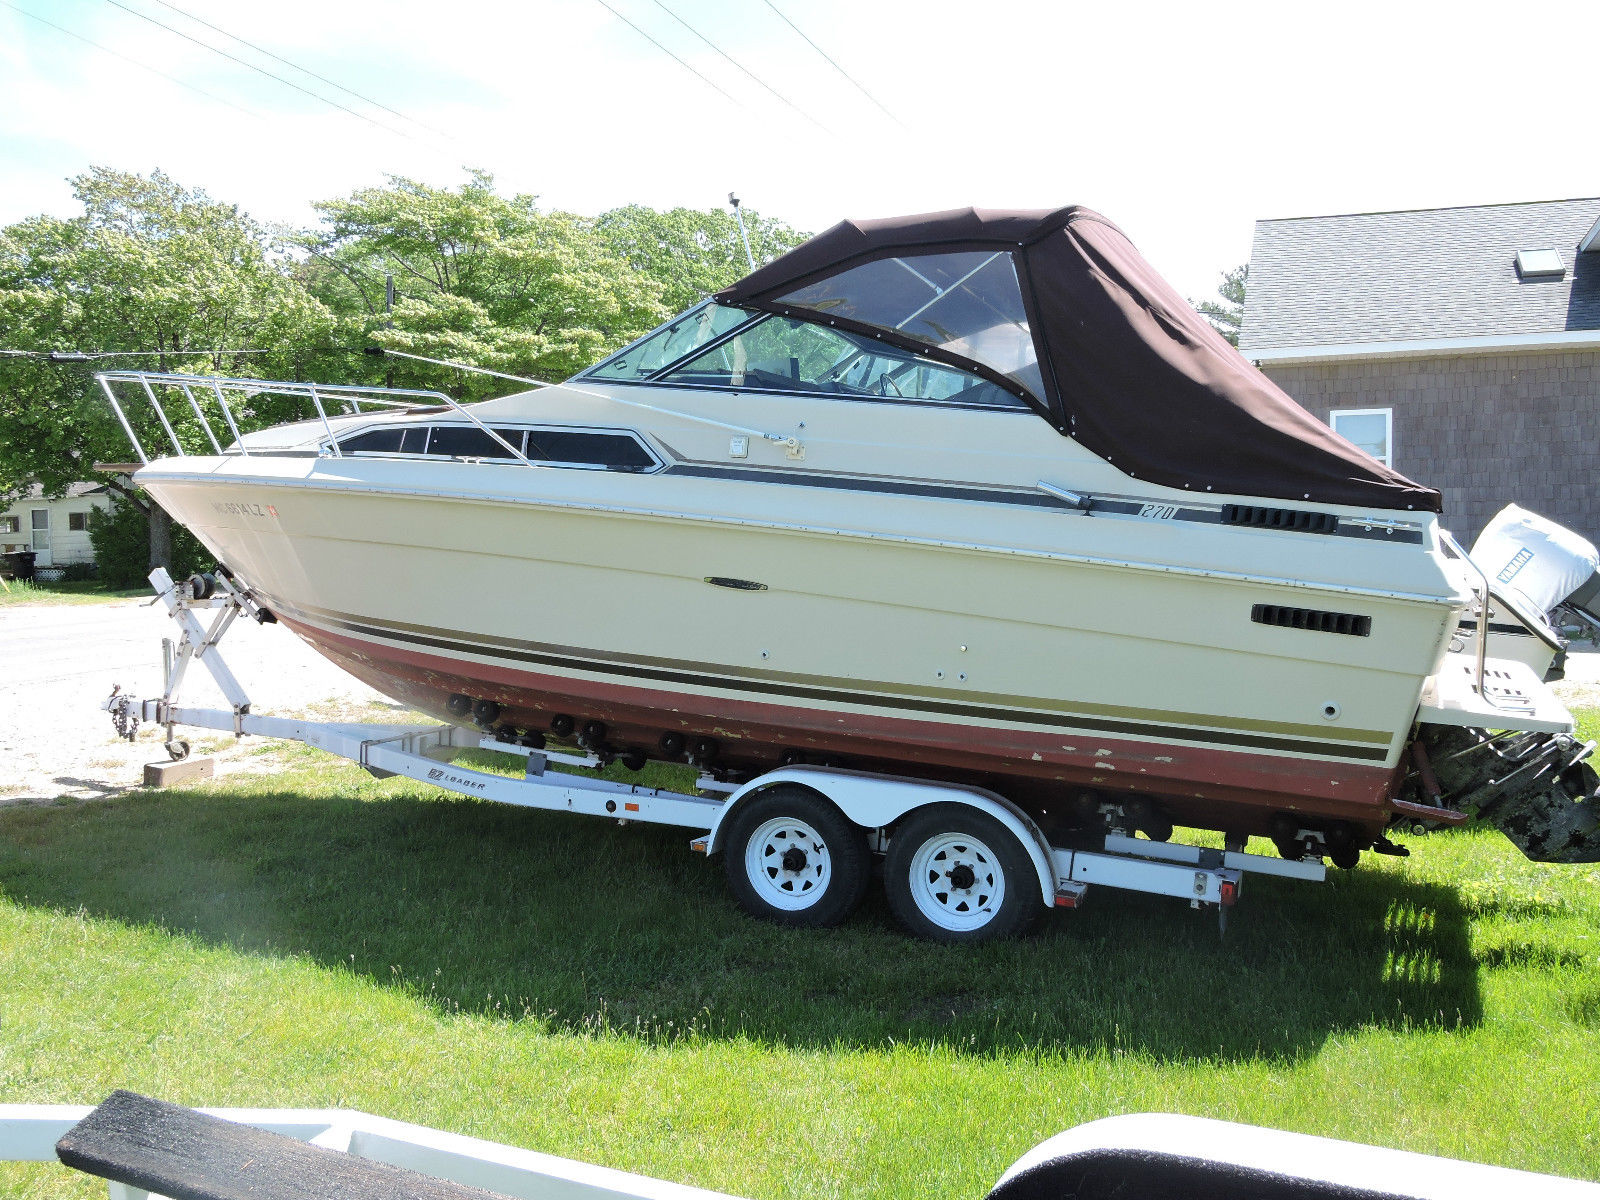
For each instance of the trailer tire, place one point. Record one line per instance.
(954, 874)
(793, 858)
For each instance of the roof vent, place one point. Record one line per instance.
(1591, 240)
(1540, 264)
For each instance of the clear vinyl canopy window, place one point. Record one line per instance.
(967, 303)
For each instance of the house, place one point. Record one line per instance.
(57, 531)
(1459, 345)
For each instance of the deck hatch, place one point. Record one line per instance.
(1293, 519)
(1313, 619)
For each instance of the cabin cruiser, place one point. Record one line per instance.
(973, 496)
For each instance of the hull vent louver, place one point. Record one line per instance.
(1312, 619)
(1279, 518)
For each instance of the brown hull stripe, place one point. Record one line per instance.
(509, 650)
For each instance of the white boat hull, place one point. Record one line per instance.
(1040, 665)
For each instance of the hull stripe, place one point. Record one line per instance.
(534, 653)
(1348, 527)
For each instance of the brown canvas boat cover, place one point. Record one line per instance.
(1124, 365)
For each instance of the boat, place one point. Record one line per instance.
(972, 496)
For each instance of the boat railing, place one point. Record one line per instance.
(328, 401)
(1482, 648)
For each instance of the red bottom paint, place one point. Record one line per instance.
(1232, 790)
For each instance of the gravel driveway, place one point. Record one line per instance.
(57, 662)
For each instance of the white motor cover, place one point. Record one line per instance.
(1541, 561)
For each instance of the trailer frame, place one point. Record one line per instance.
(876, 803)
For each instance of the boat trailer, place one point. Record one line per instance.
(962, 863)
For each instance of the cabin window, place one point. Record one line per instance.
(672, 341)
(968, 303)
(395, 439)
(610, 450)
(10, 524)
(1370, 429)
(781, 354)
(468, 441)
(78, 522)
(613, 451)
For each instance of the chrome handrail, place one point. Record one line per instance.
(1483, 608)
(351, 395)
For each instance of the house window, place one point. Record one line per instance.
(11, 524)
(78, 522)
(1371, 429)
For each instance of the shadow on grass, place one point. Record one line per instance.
(583, 925)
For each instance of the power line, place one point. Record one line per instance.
(258, 70)
(71, 356)
(296, 66)
(663, 49)
(743, 68)
(835, 65)
(142, 66)
(60, 356)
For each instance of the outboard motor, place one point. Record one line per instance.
(1539, 789)
(1544, 564)
(1535, 568)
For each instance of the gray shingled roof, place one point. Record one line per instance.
(1427, 273)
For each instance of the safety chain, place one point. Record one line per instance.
(124, 713)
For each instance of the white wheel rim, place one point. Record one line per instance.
(788, 864)
(941, 898)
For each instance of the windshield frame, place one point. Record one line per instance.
(914, 347)
(593, 372)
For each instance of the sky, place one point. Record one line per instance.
(1184, 123)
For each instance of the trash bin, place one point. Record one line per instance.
(17, 565)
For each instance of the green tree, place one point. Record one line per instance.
(121, 540)
(692, 252)
(1228, 316)
(482, 278)
(150, 268)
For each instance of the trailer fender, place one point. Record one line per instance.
(877, 801)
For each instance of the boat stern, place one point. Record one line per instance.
(1501, 746)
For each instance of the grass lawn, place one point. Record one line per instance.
(315, 937)
(27, 591)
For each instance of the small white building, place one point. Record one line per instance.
(57, 531)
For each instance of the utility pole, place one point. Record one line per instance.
(388, 307)
(743, 233)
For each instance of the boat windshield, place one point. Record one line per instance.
(968, 303)
(674, 340)
(781, 354)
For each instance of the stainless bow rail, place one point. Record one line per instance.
(344, 399)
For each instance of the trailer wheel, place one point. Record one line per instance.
(954, 874)
(794, 858)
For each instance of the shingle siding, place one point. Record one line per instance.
(1485, 429)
